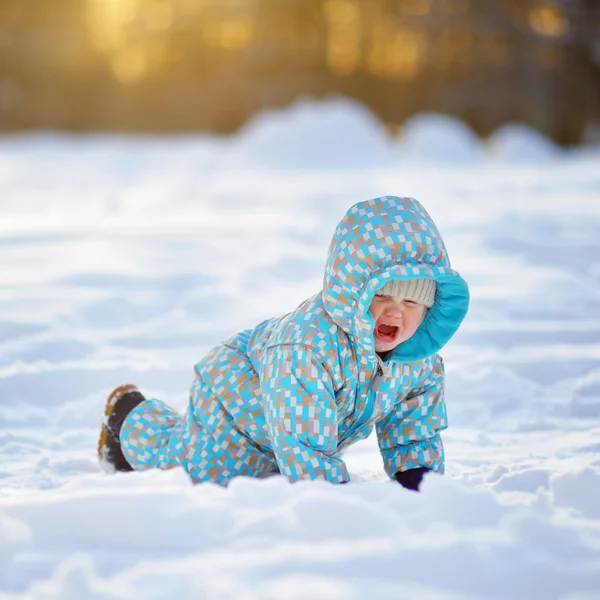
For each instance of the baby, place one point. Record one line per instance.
(290, 395)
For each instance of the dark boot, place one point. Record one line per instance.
(119, 404)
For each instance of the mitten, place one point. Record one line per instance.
(411, 479)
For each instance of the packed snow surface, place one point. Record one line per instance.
(125, 260)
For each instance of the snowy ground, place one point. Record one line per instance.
(125, 260)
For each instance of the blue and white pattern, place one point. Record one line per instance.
(290, 395)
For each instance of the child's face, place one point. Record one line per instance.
(396, 320)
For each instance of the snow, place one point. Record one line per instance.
(124, 259)
(518, 142)
(299, 137)
(438, 138)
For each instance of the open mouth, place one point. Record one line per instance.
(386, 333)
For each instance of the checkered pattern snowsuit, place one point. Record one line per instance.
(291, 394)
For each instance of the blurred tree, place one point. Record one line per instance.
(177, 65)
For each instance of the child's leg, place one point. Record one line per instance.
(204, 441)
(223, 451)
(152, 436)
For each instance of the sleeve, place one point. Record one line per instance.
(300, 410)
(409, 437)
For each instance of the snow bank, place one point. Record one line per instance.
(334, 133)
(339, 133)
(517, 142)
(438, 138)
(331, 134)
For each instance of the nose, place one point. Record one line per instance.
(394, 307)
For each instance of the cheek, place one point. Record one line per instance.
(416, 318)
(375, 311)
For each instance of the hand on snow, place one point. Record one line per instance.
(411, 479)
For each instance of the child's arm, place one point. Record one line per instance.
(409, 438)
(300, 409)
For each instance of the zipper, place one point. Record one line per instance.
(367, 412)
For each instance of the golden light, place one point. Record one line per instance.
(341, 12)
(229, 34)
(396, 53)
(344, 35)
(129, 68)
(107, 21)
(158, 15)
(416, 7)
(119, 29)
(548, 20)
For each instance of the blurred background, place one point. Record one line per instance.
(210, 65)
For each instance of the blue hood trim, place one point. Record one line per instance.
(440, 323)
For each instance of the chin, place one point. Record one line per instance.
(385, 347)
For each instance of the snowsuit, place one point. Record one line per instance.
(291, 394)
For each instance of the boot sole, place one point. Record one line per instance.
(112, 399)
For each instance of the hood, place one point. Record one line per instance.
(391, 238)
